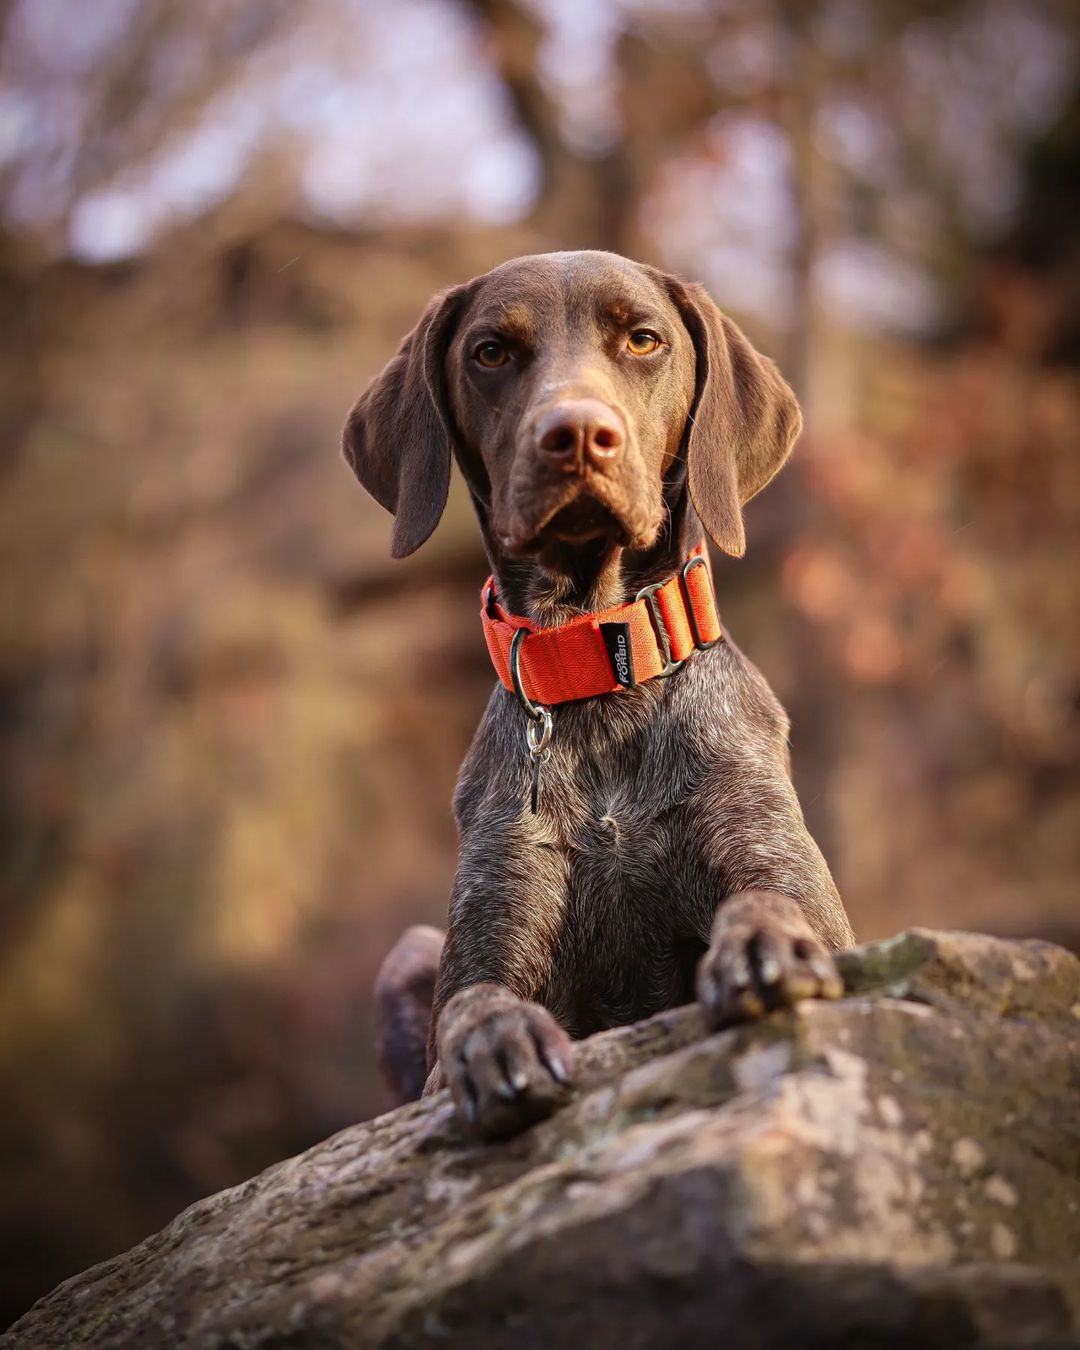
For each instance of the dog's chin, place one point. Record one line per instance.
(584, 521)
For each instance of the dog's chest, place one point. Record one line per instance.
(628, 945)
(626, 949)
(620, 789)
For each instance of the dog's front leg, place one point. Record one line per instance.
(770, 941)
(506, 1060)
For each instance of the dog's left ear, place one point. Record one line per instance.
(743, 422)
(397, 439)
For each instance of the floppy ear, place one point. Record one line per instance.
(397, 439)
(743, 421)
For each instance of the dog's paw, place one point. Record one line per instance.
(507, 1063)
(763, 956)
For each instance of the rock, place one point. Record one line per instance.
(898, 1169)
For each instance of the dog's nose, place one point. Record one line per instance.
(584, 429)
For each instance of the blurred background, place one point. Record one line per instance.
(230, 725)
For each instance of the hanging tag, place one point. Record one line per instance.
(534, 795)
(537, 738)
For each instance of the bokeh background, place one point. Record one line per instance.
(231, 725)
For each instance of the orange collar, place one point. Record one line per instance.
(647, 638)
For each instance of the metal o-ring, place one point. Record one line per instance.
(532, 709)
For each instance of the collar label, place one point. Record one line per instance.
(617, 641)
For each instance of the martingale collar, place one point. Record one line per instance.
(648, 638)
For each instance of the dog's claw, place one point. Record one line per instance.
(770, 970)
(708, 987)
(559, 1068)
(740, 970)
(831, 984)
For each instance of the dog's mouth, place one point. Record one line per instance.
(583, 519)
(572, 517)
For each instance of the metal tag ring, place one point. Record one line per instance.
(538, 734)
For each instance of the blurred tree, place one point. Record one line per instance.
(90, 100)
(215, 697)
(809, 157)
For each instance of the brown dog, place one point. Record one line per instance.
(601, 413)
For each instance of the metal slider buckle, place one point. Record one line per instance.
(687, 567)
(663, 637)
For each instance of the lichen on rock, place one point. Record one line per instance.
(900, 1168)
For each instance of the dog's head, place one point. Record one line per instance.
(578, 391)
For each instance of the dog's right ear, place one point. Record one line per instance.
(397, 438)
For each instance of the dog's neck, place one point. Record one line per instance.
(563, 583)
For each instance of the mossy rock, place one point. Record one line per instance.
(901, 1168)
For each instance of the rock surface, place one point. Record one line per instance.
(898, 1169)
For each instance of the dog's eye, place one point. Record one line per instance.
(492, 354)
(642, 342)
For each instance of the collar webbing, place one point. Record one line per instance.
(647, 637)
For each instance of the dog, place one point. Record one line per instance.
(636, 840)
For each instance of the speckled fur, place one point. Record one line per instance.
(657, 803)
